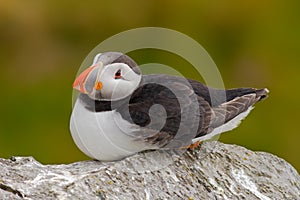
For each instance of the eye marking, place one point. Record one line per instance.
(118, 74)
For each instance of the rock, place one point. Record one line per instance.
(213, 171)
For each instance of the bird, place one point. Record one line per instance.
(120, 112)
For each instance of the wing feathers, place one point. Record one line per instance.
(227, 111)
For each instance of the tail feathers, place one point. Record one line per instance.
(229, 110)
(228, 115)
(232, 124)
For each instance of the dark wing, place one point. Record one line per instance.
(169, 111)
(174, 110)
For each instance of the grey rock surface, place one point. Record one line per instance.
(213, 171)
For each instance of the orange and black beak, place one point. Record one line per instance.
(89, 79)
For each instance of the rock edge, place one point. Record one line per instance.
(213, 171)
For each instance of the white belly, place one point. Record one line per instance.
(103, 135)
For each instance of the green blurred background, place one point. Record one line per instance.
(42, 44)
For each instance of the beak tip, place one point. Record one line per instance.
(76, 85)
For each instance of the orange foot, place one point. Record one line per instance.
(193, 145)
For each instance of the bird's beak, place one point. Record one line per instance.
(80, 82)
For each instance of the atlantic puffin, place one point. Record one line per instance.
(119, 112)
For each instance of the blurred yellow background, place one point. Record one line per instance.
(42, 44)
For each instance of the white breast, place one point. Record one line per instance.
(103, 135)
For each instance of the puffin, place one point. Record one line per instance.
(120, 112)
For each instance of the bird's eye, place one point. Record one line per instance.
(118, 74)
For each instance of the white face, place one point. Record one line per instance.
(118, 81)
